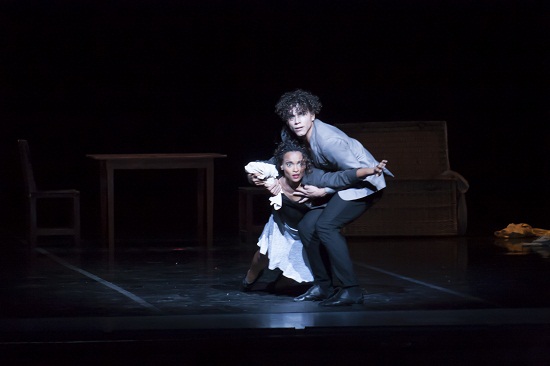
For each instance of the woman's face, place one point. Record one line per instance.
(301, 123)
(293, 166)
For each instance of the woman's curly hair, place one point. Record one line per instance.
(302, 100)
(288, 146)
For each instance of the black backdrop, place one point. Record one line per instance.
(80, 77)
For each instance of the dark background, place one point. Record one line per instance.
(82, 77)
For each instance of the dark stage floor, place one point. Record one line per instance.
(452, 300)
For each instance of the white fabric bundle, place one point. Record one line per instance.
(267, 172)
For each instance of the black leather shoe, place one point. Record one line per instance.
(315, 293)
(344, 296)
(248, 286)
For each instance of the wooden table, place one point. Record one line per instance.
(203, 162)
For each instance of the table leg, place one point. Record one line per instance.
(103, 202)
(106, 188)
(210, 205)
(205, 197)
(110, 209)
(200, 206)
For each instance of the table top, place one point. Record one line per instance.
(189, 156)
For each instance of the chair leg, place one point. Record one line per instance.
(32, 226)
(76, 220)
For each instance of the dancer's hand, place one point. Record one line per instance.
(309, 192)
(273, 186)
(378, 169)
(253, 179)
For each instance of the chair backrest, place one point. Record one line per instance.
(414, 149)
(28, 176)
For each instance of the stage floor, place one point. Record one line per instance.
(445, 300)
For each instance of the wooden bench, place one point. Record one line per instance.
(426, 198)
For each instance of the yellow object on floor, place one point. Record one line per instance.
(520, 231)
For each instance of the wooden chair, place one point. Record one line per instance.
(33, 195)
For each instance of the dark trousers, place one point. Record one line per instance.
(322, 227)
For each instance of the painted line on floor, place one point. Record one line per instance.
(418, 282)
(120, 290)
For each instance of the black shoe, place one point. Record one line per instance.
(315, 293)
(245, 286)
(344, 296)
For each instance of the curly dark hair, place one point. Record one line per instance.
(300, 99)
(291, 145)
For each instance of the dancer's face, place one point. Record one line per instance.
(293, 166)
(301, 123)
